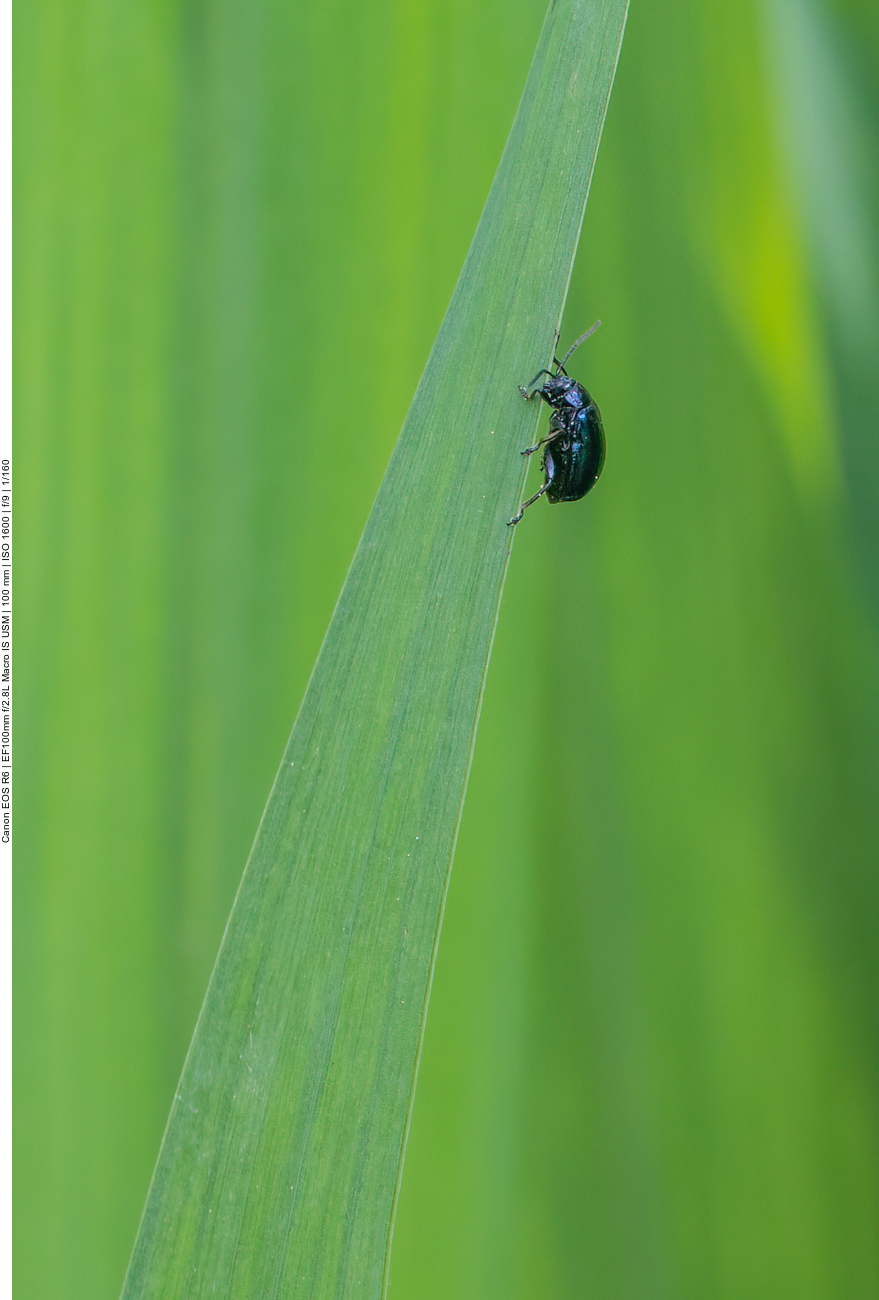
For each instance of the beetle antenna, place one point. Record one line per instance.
(573, 348)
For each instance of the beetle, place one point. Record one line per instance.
(574, 448)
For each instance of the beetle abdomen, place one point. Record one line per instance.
(574, 460)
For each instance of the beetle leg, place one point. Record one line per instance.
(525, 504)
(523, 388)
(553, 434)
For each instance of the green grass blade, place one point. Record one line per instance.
(279, 1166)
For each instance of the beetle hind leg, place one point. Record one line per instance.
(525, 504)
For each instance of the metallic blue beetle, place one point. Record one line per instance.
(575, 446)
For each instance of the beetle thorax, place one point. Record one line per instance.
(563, 391)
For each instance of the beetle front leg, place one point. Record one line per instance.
(523, 388)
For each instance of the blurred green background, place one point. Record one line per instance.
(652, 1057)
